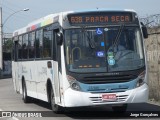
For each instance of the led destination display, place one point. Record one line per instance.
(100, 18)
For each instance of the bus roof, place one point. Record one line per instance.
(57, 17)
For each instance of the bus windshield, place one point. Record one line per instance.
(109, 49)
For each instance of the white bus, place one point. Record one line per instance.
(82, 58)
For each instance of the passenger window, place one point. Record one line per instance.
(20, 47)
(31, 45)
(54, 46)
(39, 43)
(15, 49)
(25, 46)
(47, 42)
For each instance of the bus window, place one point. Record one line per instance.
(20, 48)
(47, 37)
(14, 48)
(25, 46)
(54, 46)
(13, 52)
(31, 44)
(39, 43)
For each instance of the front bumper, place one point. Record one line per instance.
(74, 98)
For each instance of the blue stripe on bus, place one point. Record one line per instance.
(108, 87)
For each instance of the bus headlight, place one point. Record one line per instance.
(73, 83)
(141, 78)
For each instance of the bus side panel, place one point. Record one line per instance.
(18, 76)
(28, 72)
(14, 75)
(43, 74)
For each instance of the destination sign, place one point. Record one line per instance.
(99, 18)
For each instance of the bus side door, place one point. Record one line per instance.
(56, 68)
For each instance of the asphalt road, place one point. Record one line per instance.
(11, 101)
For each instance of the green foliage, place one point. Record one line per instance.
(7, 46)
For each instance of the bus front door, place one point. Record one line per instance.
(56, 68)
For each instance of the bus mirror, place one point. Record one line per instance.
(144, 30)
(59, 38)
(145, 33)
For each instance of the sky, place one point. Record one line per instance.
(41, 8)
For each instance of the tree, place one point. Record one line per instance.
(7, 46)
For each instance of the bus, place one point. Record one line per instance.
(82, 58)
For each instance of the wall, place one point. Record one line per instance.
(153, 57)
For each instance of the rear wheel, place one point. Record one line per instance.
(55, 108)
(121, 108)
(26, 99)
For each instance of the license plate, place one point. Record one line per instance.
(109, 97)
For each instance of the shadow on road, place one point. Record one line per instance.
(98, 112)
(41, 103)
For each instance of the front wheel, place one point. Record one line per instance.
(121, 108)
(55, 108)
(26, 99)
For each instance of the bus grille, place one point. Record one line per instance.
(120, 98)
(108, 79)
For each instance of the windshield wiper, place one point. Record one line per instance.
(89, 39)
(116, 41)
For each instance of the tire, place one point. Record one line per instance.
(55, 108)
(120, 109)
(26, 99)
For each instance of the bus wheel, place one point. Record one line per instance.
(24, 93)
(121, 108)
(55, 108)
